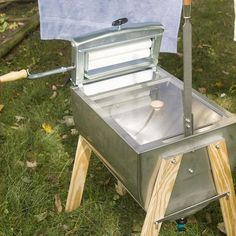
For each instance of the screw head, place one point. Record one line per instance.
(191, 171)
(173, 161)
(218, 146)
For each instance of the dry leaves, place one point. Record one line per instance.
(42, 216)
(54, 89)
(136, 229)
(58, 203)
(221, 227)
(219, 84)
(68, 120)
(47, 128)
(31, 164)
(1, 107)
(222, 95)
(54, 94)
(208, 218)
(202, 90)
(120, 189)
(232, 89)
(19, 118)
(225, 72)
(64, 136)
(74, 132)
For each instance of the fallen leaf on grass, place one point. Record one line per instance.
(15, 127)
(69, 121)
(54, 94)
(136, 229)
(47, 128)
(232, 89)
(65, 227)
(21, 23)
(54, 87)
(1, 107)
(120, 189)
(58, 203)
(205, 232)
(116, 197)
(221, 227)
(13, 26)
(199, 70)
(19, 118)
(31, 164)
(208, 218)
(26, 179)
(42, 216)
(202, 90)
(225, 72)
(74, 132)
(179, 54)
(65, 136)
(219, 84)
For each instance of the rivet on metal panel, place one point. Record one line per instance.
(191, 171)
(188, 126)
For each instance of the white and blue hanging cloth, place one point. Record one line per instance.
(67, 19)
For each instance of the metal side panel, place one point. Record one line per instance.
(119, 157)
(194, 182)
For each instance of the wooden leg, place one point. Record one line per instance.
(224, 183)
(79, 173)
(161, 195)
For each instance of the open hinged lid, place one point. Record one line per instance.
(116, 51)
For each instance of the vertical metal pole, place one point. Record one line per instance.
(187, 50)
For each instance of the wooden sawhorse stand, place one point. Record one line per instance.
(164, 184)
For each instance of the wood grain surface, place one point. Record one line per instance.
(161, 195)
(224, 183)
(79, 173)
(14, 75)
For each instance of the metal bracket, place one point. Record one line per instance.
(175, 214)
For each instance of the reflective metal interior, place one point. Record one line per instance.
(131, 109)
(133, 112)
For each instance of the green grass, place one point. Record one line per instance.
(27, 195)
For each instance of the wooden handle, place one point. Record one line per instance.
(187, 2)
(14, 75)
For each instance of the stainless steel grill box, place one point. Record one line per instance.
(116, 79)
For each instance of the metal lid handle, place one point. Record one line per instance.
(120, 22)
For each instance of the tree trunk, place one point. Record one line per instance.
(19, 1)
(10, 42)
